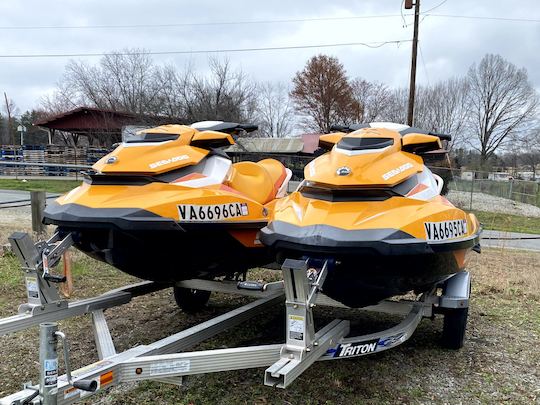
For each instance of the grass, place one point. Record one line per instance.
(498, 363)
(508, 223)
(51, 186)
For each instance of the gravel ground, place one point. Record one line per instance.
(489, 203)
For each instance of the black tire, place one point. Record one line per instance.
(455, 324)
(190, 300)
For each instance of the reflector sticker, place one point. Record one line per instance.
(296, 327)
(105, 379)
(212, 213)
(170, 367)
(436, 231)
(71, 392)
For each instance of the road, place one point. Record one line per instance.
(15, 195)
(513, 243)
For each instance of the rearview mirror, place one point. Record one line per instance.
(420, 143)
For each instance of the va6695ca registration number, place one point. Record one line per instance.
(445, 229)
(215, 212)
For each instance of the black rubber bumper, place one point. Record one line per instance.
(326, 239)
(79, 216)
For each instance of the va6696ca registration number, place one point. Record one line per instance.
(215, 212)
(445, 229)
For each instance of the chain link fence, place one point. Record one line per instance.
(475, 184)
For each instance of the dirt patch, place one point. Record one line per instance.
(499, 362)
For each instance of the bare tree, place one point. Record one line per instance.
(501, 102)
(442, 107)
(373, 99)
(323, 96)
(126, 81)
(275, 110)
(530, 150)
(11, 111)
(225, 94)
(396, 106)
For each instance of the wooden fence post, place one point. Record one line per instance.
(37, 202)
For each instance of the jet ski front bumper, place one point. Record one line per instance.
(328, 240)
(79, 216)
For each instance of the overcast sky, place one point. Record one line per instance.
(448, 45)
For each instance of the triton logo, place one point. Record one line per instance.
(356, 349)
(343, 171)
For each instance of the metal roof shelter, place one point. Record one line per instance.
(104, 126)
(267, 145)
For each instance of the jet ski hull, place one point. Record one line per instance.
(151, 247)
(372, 264)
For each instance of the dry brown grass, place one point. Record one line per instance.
(506, 272)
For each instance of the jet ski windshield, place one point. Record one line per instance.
(149, 137)
(353, 143)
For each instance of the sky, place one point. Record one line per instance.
(448, 45)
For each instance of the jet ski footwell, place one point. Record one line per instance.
(162, 360)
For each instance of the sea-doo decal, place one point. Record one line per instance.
(436, 231)
(167, 161)
(214, 212)
(397, 170)
(356, 348)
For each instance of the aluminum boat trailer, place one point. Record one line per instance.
(168, 360)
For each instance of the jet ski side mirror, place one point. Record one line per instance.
(420, 143)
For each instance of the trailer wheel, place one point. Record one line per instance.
(455, 323)
(190, 299)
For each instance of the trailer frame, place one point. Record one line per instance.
(168, 360)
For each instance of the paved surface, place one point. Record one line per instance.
(15, 195)
(526, 244)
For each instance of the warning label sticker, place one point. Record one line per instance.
(50, 368)
(296, 327)
(32, 287)
(170, 367)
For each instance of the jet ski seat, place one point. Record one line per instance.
(260, 181)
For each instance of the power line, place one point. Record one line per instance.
(476, 17)
(196, 24)
(246, 22)
(437, 6)
(274, 48)
(423, 63)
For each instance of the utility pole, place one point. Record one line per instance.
(412, 83)
(8, 110)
